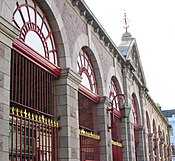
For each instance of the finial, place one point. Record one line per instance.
(125, 21)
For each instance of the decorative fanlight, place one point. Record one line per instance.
(34, 30)
(134, 111)
(85, 69)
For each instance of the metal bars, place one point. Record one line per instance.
(89, 149)
(31, 86)
(32, 137)
(117, 153)
(116, 130)
(33, 127)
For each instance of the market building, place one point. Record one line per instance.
(68, 93)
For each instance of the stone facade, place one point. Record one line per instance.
(74, 27)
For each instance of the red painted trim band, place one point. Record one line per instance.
(89, 94)
(36, 58)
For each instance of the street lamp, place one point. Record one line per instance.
(125, 110)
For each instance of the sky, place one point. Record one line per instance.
(152, 23)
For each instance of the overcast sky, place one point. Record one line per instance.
(152, 23)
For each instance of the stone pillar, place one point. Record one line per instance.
(124, 137)
(155, 145)
(165, 152)
(131, 141)
(105, 134)
(69, 144)
(7, 34)
(141, 154)
(126, 125)
(143, 148)
(150, 143)
(160, 150)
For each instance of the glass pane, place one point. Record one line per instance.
(39, 21)
(51, 57)
(34, 41)
(18, 19)
(25, 14)
(32, 14)
(85, 81)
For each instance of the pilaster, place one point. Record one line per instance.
(143, 148)
(105, 134)
(131, 141)
(7, 34)
(125, 138)
(67, 87)
(141, 155)
(151, 146)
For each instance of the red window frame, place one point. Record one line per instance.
(33, 79)
(89, 147)
(29, 16)
(135, 113)
(114, 96)
(84, 66)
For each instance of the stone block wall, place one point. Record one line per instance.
(4, 100)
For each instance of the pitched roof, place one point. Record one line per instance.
(128, 48)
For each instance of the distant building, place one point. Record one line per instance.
(170, 114)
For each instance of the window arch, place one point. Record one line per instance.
(35, 31)
(113, 92)
(34, 72)
(154, 140)
(87, 102)
(148, 126)
(136, 124)
(114, 96)
(85, 69)
(134, 111)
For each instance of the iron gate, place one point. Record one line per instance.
(117, 151)
(89, 146)
(32, 137)
(33, 121)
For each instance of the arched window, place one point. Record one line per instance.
(35, 30)
(36, 38)
(85, 70)
(114, 95)
(149, 136)
(34, 72)
(155, 146)
(134, 111)
(136, 124)
(87, 102)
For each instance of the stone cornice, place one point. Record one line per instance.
(92, 20)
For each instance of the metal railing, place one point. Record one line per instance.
(89, 146)
(33, 137)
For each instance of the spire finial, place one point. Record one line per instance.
(125, 21)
